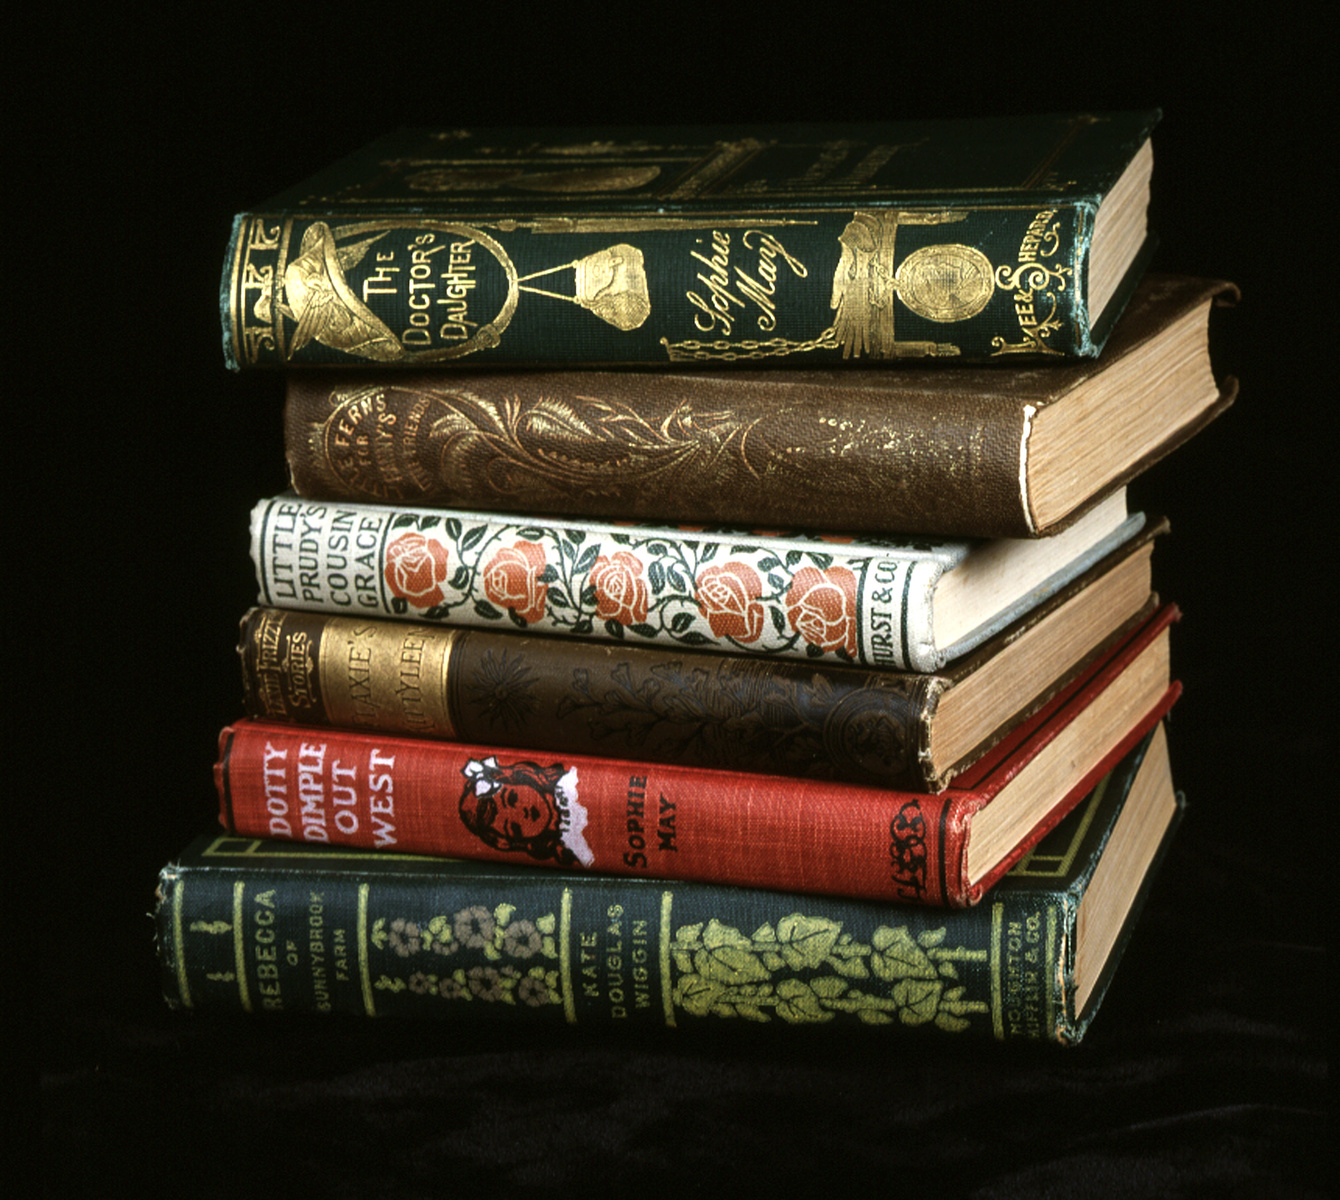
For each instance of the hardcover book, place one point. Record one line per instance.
(375, 791)
(1000, 238)
(979, 451)
(880, 602)
(271, 927)
(692, 707)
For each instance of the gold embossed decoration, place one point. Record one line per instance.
(317, 294)
(612, 283)
(944, 283)
(323, 304)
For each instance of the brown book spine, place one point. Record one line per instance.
(814, 450)
(687, 708)
(916, 450)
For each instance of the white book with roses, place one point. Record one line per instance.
(907, 604)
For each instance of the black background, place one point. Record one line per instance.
(137, 458)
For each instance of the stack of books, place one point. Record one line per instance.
(710, 548)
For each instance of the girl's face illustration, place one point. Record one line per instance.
(523, 813)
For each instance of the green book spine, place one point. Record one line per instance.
(801, 245)
(266, 928)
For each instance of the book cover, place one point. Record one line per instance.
(697, 708)
(1005, 238)
(977, 451)
(373, 791)
(879, 602)
(270, 927)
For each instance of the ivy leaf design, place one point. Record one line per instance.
(829, 987)
(897, 956)
(728, 956)
(852, 968)
(918, 1000)
(872, 1016)
(751, 1012)
(798, 1004)
(698, 995)
(806, 941)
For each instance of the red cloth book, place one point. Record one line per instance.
(444, 798)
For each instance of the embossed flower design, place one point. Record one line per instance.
(416, 568)
(404, 938)
(621, 588)
(728, 596)
(474, 927)
(512, 580)
(488, 983)
(521, 939)
(539, 987)
(821, 607)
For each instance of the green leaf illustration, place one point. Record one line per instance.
(797, 1003)
(872, 1016)
(806, 941)
(897, 956)
(730, 965)
(918, 1001)
(829, 987)
(697, 995)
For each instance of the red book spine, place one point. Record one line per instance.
(442, 798)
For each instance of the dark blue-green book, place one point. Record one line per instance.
(801, 245)
(267, 927)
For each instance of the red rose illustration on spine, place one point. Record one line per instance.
(621, 588)
(512, 580)
(821, 607)
(526, 807)
(729, 597)
(416, 568)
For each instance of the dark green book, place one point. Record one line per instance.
(267, 927)
(802, 245)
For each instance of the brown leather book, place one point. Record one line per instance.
(686, 707)
(975, 451)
